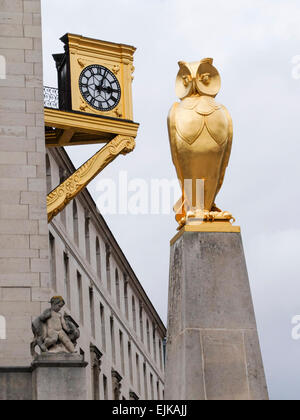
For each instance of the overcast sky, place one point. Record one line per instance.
(253, 43)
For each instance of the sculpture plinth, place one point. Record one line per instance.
(59, 376)
(212, 348)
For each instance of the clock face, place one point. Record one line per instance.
(100, 88)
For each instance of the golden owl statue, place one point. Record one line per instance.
(200, 132)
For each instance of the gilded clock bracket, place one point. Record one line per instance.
(61, 196)
(66, 137)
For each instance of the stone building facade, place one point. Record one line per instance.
(119, 326)
(121, 333)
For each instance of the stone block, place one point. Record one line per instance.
(11, 29)
(16, 294)
(13, 56)
(15, 384)
(16, 93)
(22, 309)
(13, 184)
(59, 377)
(39, 265)
(36, 184)
(20, 69)
(17, 119)
(10, 197)
(36, 158)
(18, 227)
(15, 6)
(41, 294)
(32, 31)
(225, 365)
(13, 211)
(14, 265)
(19, 279)
(14, 242)
(14, 106)
(39, 242)
(257, 384)
(15, 42)
(13, 80)
(32, 6)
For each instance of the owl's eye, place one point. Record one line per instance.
(205, 78)
(186, 80)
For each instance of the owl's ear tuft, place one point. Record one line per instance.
(181, 63)
(207, 61)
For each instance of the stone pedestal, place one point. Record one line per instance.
(59, 377)
(213, 350)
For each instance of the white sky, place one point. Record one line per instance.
(253, 43)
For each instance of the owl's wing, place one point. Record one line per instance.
(172, 133)
(228, 148)
(179, 206)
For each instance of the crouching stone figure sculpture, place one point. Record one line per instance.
(54, 332)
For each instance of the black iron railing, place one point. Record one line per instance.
(51, 98)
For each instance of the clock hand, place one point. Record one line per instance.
(103, 79)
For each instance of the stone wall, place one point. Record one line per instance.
(24, 262)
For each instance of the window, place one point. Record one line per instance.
(112, 337)
(152, 386)
(66, 278)
(141, 322)
(138, 373)
(148, 335)
(122, 351)
(98, 258)
(160, 355)
(95, 365)
(105, 394)
(133, 313)
(75, 223)
(117, 288)
(80, 297)
(87, 238)
(62, 178)
(130, 362)
(92, 312)
(48, 175)
(157, 389)
(154, 341)
(108, 268)
(126, 296)
(52, 262)
(103, 329)
(145, 381)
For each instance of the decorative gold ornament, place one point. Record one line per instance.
(200, 133)
(58, 199)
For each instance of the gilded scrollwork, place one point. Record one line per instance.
(64, 193)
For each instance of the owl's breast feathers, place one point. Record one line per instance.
(194, 114)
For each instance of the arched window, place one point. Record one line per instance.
(98, 258)
(87, 238)
(48, 174)
(133, 313)
(75, 223)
